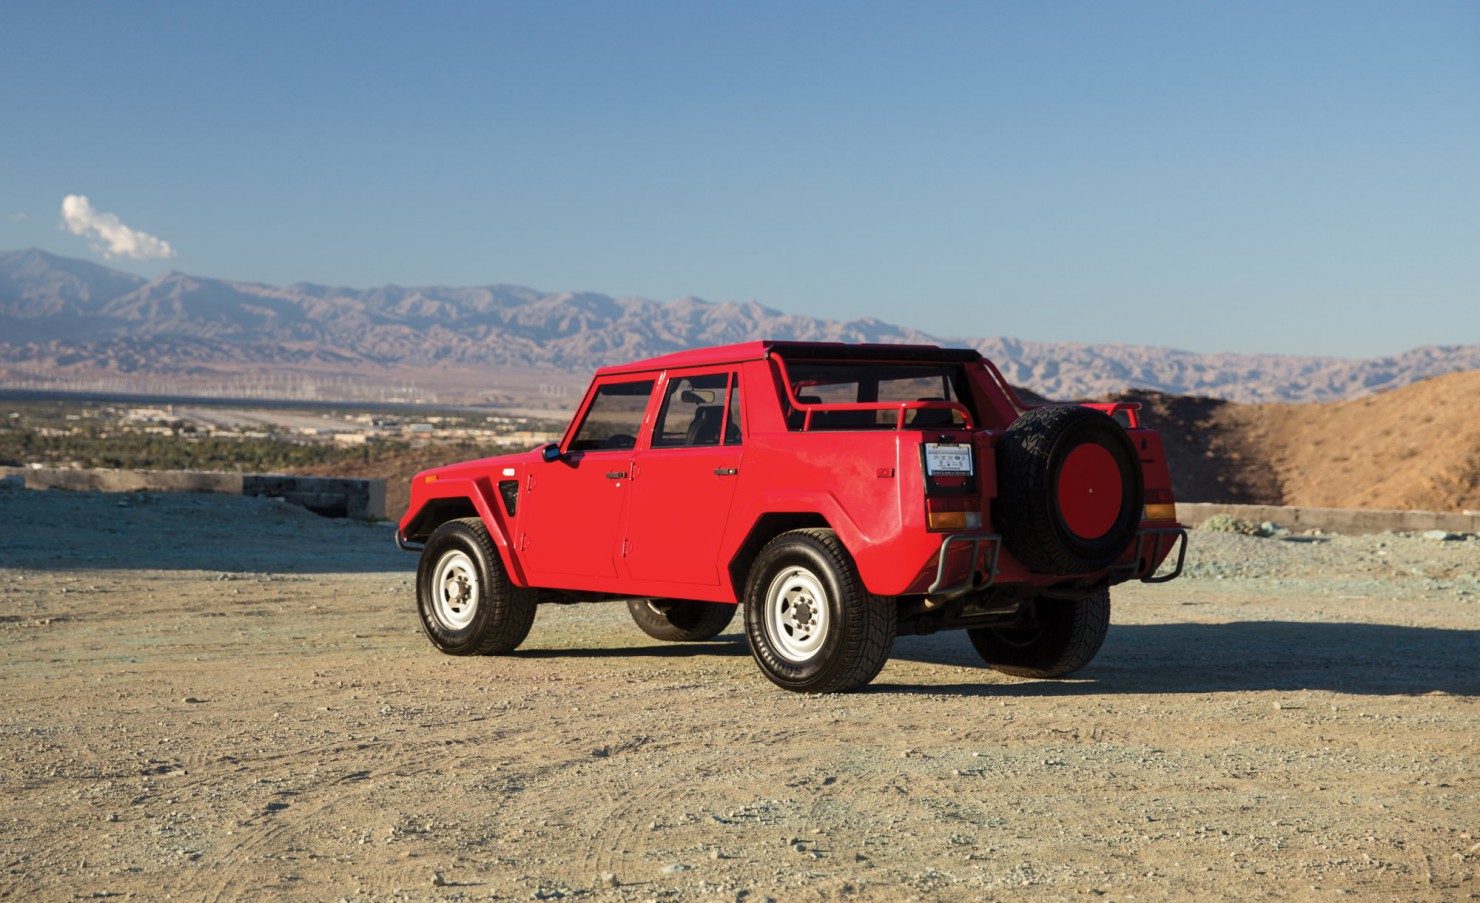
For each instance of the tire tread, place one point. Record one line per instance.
(1072, 639)
(709, 621)
(871, 624)
(512, 608)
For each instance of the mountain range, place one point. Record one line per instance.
(64, 315)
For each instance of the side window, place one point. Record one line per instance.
(614, 418)
(694, 412)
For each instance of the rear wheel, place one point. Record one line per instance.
(1064, 637)
(811, 624)
(681, 621)
(467, 604)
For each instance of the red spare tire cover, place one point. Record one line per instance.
(1069, 489)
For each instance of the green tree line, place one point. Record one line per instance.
(149, 451)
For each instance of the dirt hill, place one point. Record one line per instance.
(1416, 448)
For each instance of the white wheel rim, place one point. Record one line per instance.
(455, 590)
(797, 616)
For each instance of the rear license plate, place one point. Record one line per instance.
(943, 460)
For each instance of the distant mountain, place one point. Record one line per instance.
(1068, 370)
(71, 315)
(40, 288)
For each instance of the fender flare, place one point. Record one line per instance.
(794, 510)
(483, 497)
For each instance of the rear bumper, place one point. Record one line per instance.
(979, 572)
(969, 561)
(1153, 546)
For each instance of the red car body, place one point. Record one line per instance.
(677, 472)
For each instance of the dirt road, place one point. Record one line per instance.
(211, 698)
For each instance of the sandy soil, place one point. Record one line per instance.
(221, 698)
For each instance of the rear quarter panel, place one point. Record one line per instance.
(866, 484)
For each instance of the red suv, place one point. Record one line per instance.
(846, 494)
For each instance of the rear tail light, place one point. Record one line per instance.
(1160, 505)
(954, 513)
(953, 521)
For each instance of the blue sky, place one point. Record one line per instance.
(1281, 177)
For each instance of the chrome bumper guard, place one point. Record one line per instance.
(984, 547)
(406, 545)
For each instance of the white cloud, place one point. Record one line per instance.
(18, 217)
(113, 238)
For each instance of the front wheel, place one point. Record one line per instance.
(1063, 637)
(677, 620)
(467, 604)
(811, 624)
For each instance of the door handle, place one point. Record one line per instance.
(617, 475)
(725, 471)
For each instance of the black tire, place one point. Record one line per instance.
(1066, 636)
(1030, 466)
(677, 620)
(806, 579)
(466, 602)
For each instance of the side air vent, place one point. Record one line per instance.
(509, 490)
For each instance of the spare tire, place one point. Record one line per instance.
(1068, 489)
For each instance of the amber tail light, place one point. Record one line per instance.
(953, 513)
(1160, 505)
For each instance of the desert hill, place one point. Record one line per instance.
(1415, 448)
(61, 317)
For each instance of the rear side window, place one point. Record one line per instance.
(614, 417)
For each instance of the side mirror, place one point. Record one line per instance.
(550, 452)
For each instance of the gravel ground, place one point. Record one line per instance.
(220, 698)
